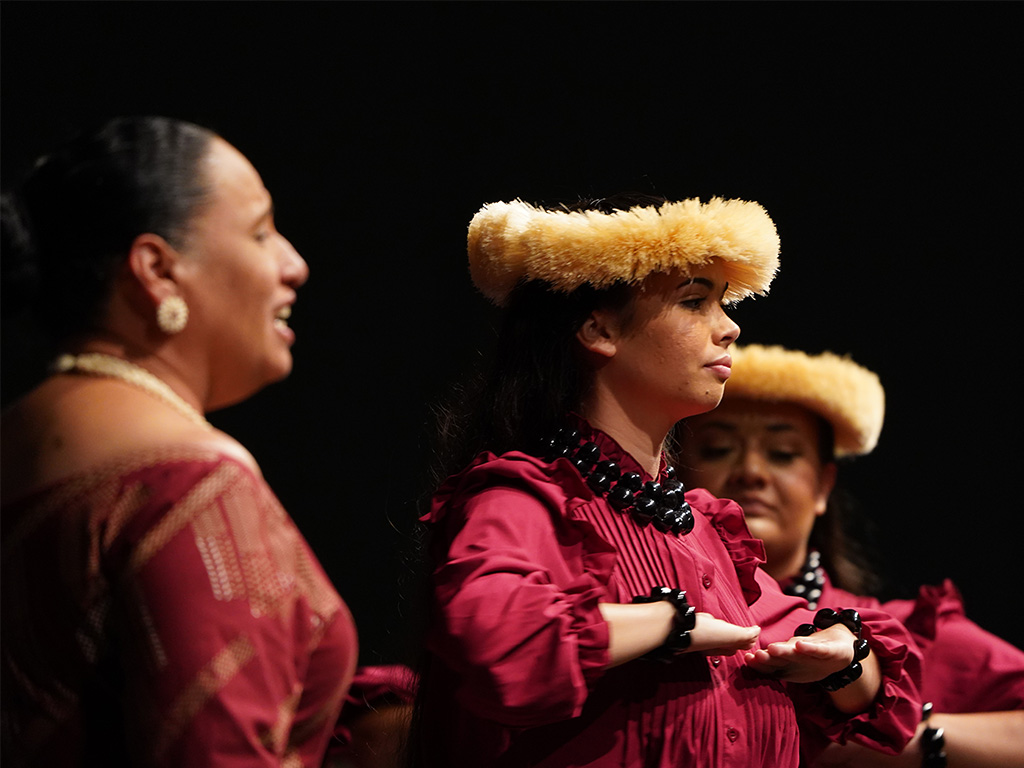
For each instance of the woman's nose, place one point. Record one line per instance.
(749, 470)
(728, 330)
(294, 269)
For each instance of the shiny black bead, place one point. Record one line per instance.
(620, 497)
(644, 507)
(673, 485)
(825, 618)
(609, 468)
(632, 480)
(861, 649)
(675, 521)
(599, 482)
(589, 452)
(686, 520)
(582, 465)
(670, 472)
(653, 490)
(663, 519)
(851, 620)
(842, 678)
(687, 619)
(805, 630)
(672, 499)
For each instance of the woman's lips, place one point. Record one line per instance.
(722, 367)
(281, 323)
(754, 507)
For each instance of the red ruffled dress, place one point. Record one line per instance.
(524, 552)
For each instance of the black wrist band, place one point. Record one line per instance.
(850, 619)
(685, 619)
(933, 742)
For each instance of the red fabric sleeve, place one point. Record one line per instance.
(517, 598)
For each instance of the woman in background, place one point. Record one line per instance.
(772, 446)
(585, 611)
(160, 607)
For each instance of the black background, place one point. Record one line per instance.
(881, 137)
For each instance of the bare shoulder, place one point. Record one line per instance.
(70, 424)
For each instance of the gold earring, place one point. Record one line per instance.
(172, 315)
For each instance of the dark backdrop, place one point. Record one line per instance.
(881, 137)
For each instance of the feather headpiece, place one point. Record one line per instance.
(514, 242)
(847, 395)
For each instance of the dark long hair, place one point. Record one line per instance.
(69, 225)
(842, 534)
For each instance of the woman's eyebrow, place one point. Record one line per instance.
(266, 213)
(691, 280)
(707, 282)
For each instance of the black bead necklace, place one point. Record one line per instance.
(811, 581)
(662, 504)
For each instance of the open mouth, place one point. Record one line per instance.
(282, 316)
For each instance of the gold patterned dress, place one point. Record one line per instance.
(166, 611)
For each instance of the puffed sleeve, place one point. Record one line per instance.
(890, 722)
(967, 668)
(517, 587)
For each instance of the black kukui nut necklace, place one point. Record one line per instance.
(662, 504)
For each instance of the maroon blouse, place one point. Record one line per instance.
(524, 553)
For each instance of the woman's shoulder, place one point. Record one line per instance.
(65, 428)
(550, 483)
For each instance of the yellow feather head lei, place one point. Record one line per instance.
(515, 242)
(847, 395)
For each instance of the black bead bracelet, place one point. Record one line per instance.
(850, 619)
(933, 742)
(678, 639)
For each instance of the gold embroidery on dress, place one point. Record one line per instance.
(182, 513)
(276, 737)
(217, 673)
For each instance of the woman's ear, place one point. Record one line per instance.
(826, 484)
(598, 334)
(152, 261)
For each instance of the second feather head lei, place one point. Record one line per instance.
(847, 395)
(515, 242)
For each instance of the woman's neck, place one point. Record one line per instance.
(641, 438)
(155, 362)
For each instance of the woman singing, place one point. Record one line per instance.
(160, 607)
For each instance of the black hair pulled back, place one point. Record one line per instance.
(69, 225)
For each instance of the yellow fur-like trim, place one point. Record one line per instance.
(510, 242)
(847, 395)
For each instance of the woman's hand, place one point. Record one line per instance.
(714, 637)
(813, 658)
(806, 659)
